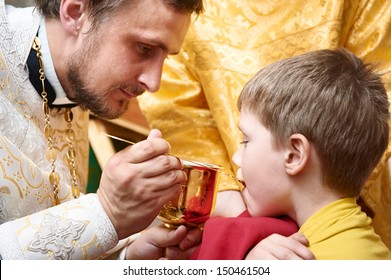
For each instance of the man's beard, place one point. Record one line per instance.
(93, 101)
(96, 102)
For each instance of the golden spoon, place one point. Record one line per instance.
(119, 139)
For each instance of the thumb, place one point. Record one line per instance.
(170, 237)
(154, 133)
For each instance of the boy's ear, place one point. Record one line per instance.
(72, 15)
(298, 152)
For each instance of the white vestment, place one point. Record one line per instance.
(30, 228)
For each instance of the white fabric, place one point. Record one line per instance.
(78, 229)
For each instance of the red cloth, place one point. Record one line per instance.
(232, 238)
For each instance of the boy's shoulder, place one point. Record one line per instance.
(341, 230)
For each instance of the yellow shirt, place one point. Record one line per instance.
(341, 231)
(196, 106)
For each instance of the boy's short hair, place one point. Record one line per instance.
(336, 101)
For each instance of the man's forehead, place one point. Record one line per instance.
(157, 25)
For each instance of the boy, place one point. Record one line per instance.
(314, 127)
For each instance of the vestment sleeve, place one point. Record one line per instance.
(77, 229)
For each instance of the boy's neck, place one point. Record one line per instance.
(311, 202)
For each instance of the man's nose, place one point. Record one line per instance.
(151, 76)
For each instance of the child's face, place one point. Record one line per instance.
(261, 167)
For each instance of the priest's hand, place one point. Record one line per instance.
(137, 181)
(278, 247)
(159, 242)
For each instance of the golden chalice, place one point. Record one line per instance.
(196, 200)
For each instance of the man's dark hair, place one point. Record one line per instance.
(99, 9)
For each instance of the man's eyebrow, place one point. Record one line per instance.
(162, 46)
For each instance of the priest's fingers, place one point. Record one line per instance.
(144, 150)
(175, 253)
(152, 243)
(192, 239)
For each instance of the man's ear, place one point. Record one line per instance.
(298, 152)
(72, 15)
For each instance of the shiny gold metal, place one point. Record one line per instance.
(51, 154)
(196, 200)
(71, 154)
(119, 139)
